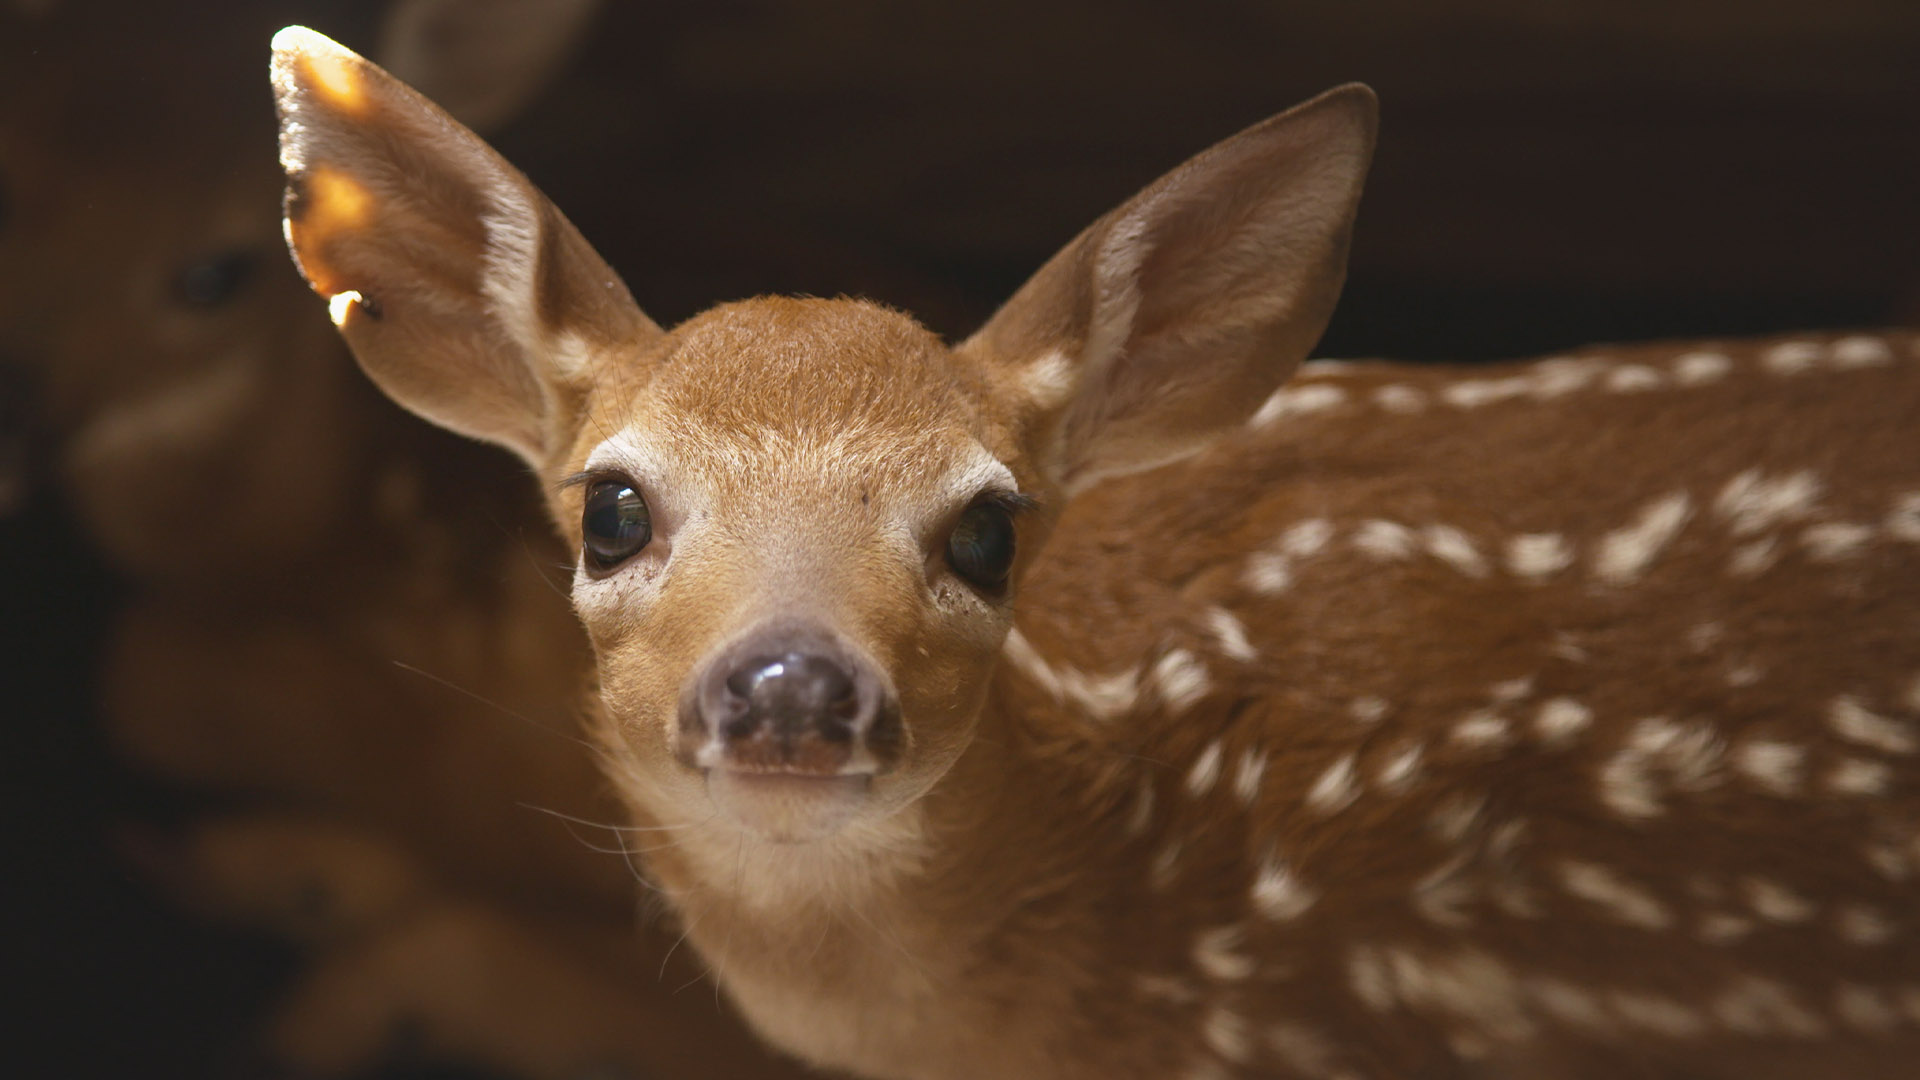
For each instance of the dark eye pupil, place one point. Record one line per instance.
(214, 281)
(615, 523)
(981, 547)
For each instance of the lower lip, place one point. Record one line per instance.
(793, 783)
(788, 806)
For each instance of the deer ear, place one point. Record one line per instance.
(463, 292)
(1177, 314)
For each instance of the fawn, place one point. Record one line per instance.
(305, 593)
(1554, 719)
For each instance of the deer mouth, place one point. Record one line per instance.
(786, 806)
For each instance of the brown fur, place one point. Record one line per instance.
(1171, 825)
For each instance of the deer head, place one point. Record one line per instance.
(801, 524)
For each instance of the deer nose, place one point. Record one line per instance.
(793, 693)
(791, 699)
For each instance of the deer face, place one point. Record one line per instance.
(798, 521)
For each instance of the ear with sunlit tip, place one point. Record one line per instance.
(463, 292)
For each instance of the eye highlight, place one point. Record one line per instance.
(615, 524)
(980, 549)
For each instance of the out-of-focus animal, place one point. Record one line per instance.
(340, 624)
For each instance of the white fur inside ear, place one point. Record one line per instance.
(1116, 279)
(512, 257)
(1048, 381)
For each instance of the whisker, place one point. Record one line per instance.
(490, 703)
(612, 828)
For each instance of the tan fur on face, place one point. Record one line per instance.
(802, 460)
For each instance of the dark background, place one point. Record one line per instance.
(1550, 174)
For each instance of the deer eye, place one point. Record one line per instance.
(615, 523)
(981, 547)
(215, 280)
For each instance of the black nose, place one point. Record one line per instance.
(793, 694)
(794, 698)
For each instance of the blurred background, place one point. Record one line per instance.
(227, 567)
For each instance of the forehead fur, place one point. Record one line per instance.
(803, 384)
(795, 365)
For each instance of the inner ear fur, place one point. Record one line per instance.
(1178, 313)
(465, 294)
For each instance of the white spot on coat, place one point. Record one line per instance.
(1181, 678)
(1268, 573)
(1102, 697)
(1399, 771)
(1512, 690)
(1206, 770)
(1246, 777)
(1473, 393)
(1297, 401)
(1483, 730)
(1538, 555)
(1335, 789)
(1226, 1032)
(1754, 557)
(1860, 351)
(1621, 900)
(1561, 720)
(1218, 953)
(1451, 546)
(1278, 892)
(1858, 724)
(1367, 711)
(1791, 357)
(1306, 538)
(1859, 777)
(1752, 503)
(1698, 368)
(1836, 540)
(1385, 540)
(1231, 634)
(1634, 378)
(1625, 553)
(1400, 398)
(1558, 376)
(1775, 767)
(1775, 902)
(1685, 755)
